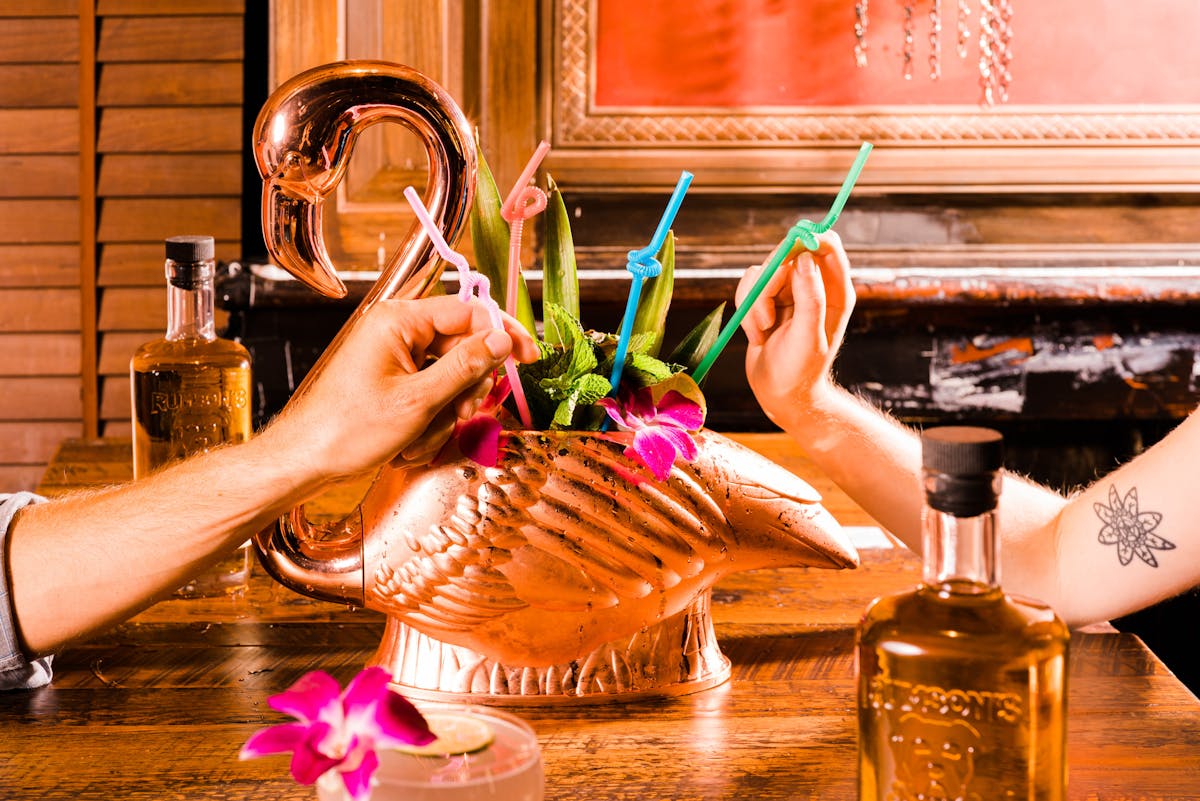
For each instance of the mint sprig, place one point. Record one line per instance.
(563, 386)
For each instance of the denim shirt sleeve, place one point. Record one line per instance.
(16, 671)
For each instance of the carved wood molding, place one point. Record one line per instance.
(636, 146)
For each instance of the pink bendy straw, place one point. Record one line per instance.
(472, 284)
(522, 203)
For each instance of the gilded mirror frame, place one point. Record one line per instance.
(918, 149)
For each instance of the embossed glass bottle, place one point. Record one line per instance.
(961, 688)
(191, 389)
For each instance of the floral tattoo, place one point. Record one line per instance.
(1131, 530)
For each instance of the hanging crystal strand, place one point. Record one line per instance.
(935, 40)
(987, 51)
(1004, 56)
(908, 41)
(860, 32)
(964, 27)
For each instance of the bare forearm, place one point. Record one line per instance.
(84, 562)
(872, 457)
(877, 461)
(1122, 544)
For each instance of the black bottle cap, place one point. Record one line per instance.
(963, 461)
(190, 248)
(962, 450)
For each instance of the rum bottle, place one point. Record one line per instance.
(191, 389)
(961, 688)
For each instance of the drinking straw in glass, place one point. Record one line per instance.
(522, 203)
(643, 264)
(804, 231)
(472, 283)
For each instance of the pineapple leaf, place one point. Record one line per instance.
(651, 316)
(489, 237)
(692, 349)
(560, 278)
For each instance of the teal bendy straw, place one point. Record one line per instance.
(643, 264)
(806, 232)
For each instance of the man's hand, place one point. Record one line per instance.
(796, 326)
(398, 381)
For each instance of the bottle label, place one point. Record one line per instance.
(936, 736)
(197, 420)
(177, 402)
(980, 706)
(188, 409)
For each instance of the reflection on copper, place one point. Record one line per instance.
(565, 571)
(303, 139)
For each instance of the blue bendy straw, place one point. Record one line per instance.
(643, 264)
(806, 232)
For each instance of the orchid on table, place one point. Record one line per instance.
(568, 387)
(338, 730)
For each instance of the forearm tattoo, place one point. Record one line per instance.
(1130, 529)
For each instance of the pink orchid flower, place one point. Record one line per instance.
(660, 429)
(479, 437)
(339, 730)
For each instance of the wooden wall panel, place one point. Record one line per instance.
(131, 264)
(186, 83)
(39, 265)
(107, 8)
(189, 129)
(117, 428)
(40, 398)
(38, 85)
(39, 310)
(39, 8)
(40, 301)
(39, 176)
(34, 440)
(120, 125)
(134, 309)
(114, 399)
(181, 174)
(35, 40)
(170, 39)
(29, 354)
(39, 130)
(116, 350)
(20, 476)
(89, 386)
(155, 219)
(169, 142)
(36, 221)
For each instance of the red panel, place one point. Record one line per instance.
(739, 53)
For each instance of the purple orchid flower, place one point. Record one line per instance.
(340, 730)
(660, 429)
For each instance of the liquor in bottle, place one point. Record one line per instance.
(961, 688)
(191, 390)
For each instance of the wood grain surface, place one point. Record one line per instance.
(158, 708)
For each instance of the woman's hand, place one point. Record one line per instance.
(795, 328)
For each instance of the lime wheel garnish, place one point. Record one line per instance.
(456, 734)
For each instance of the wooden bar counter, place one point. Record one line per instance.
(159, 707)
